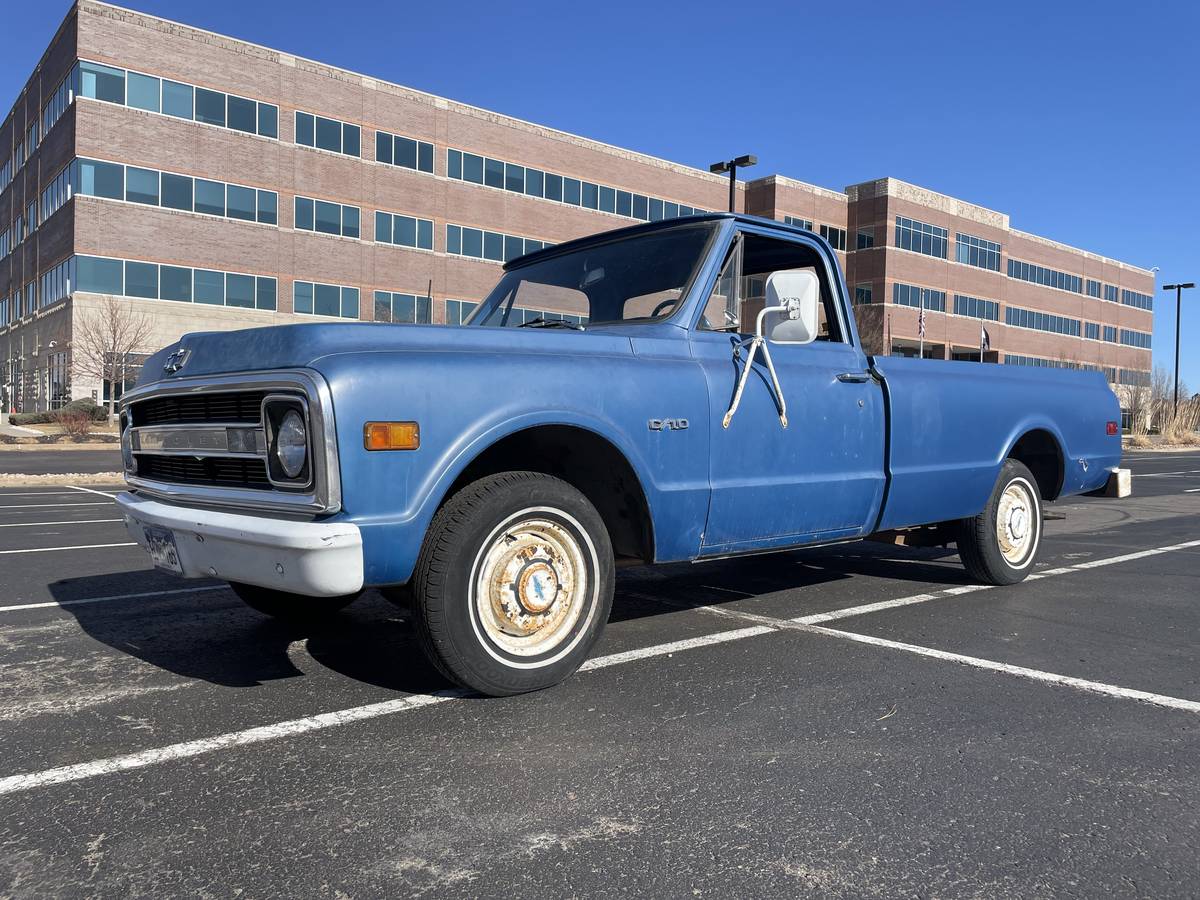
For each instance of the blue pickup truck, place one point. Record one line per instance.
(681, 390)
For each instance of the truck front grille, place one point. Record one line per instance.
(215, 470)
(189, 409)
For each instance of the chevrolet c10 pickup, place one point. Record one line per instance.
(689, 389)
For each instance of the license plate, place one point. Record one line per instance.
(161, 544)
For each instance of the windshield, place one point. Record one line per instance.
(640, 278)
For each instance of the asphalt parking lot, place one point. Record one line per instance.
(746, 728)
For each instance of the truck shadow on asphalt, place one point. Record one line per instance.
(212, 636)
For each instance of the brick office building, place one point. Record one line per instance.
(216, 184)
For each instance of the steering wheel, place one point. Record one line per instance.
(670, 301)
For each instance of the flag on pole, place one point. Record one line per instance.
(985, 342)
(921, 323)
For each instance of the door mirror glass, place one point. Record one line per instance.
(793, 301)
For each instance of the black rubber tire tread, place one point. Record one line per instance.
(977, 536)
(439, 563)
(289, 607)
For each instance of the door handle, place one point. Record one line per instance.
(854, 377)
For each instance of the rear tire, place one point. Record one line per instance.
(514, 583)
(1000, 545)
(289, 607)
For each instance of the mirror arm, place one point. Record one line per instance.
(757, 342)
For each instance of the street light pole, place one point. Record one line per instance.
(1178, 289)
(731, 166)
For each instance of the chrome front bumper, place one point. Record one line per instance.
(314, 558)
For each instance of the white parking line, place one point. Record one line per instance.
(82, 600)
(1192, 491)
(71, 522)
(4, 506)
(90, 491)
(37, 494)
(1165, 474)
(76, 547)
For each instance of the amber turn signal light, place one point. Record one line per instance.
(391, 436)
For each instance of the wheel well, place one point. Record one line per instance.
(1040, 452)
(587, 462)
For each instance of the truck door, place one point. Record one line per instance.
(821, 477)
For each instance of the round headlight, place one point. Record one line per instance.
(291, 444)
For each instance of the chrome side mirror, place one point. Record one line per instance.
(792, 313)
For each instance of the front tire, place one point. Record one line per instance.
(999, 546)
(514, 583)
(289, 607)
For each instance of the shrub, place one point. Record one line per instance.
(76, 423)
(88, 405)
(29, 419)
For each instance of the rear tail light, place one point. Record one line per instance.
(1111, 429)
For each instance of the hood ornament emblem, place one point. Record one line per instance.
(176, 361)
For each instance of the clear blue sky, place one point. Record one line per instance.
(1054, 112)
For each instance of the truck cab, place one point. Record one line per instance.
(682, 390)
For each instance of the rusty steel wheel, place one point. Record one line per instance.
(514, 583)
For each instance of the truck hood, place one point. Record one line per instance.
(294, 346)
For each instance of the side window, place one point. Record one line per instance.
(740, 292)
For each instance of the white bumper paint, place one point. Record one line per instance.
(314, 558)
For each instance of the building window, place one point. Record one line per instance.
(1131, 338)
(1040, 321)
(865, 239)
(402, 308)
(921, 237)
(1135, 378)
(975, 251)
(1110, 334)
(327, 134)
(1133, 298)
(458, 311)
(327, 218)
(532, 182)
(1091, 331)
(835, 236)
(462, 240)
(1064, 281)
(862, 293)
(56, 194)
(396, 150)
(403, 231)
(975, 308)
(1110, 293)
(1093, 288)
(316, 299)
(159, 281)
(1015, 359)
(918, 297)
(806, 224)
(63, 96)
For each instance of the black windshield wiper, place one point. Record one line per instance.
(543, 322)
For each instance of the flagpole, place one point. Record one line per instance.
(921, 326)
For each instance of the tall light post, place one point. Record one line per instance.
(1178, 289)
(731, 166)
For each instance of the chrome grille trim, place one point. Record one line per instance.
(325, 494)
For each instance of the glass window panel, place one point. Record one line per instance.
(472, 242)
(513, 247)
(241, 203)
(264, 293)
(350, 219)
(176, 283)
(209, 287)
(239, 291)
(624, 203)
(141, 280)
(424, 310)
(493, 246)
(329, 134)
(210, 197)
(591, 195)
(383, 228)
(383, 306)
(176, 191)
(302, 296)
(608, 199)
(329, 217)
(406, 231)
(424, 234)
(472, 168)
(99, 276)
(425, 156)
(383, 147)
(210, 107)
(327, 300)
(102, 82)
(571, 191)
(535, 182)
(143, 91)
(514, 178)
(453, 239)
(553, 187)
(405, 152)
(532, 245)
(670, 210)
(404, 308)
(141, 186)
(351, 138)
(656, 210)
(304, 214)
(242, 114)
(641, 207)
(268, 207)
(177, 99)
(454, 164)
(101, 179)
(305, 129)
(349, 303)
(268, 120)
(493, 173)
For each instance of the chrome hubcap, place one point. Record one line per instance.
(530, 586)
(1015, 528)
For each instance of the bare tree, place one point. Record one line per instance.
(108, 340)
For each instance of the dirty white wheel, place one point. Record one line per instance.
(514, 583)
(999, 545)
